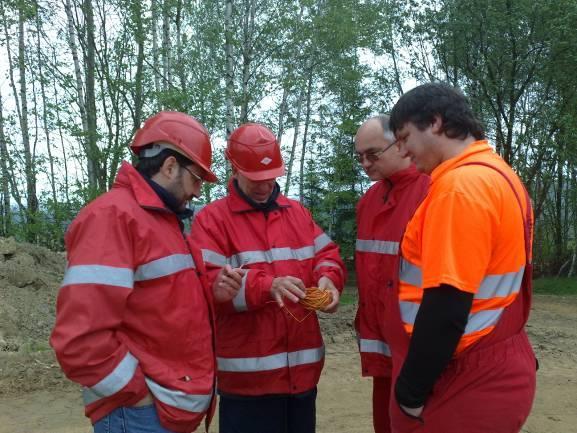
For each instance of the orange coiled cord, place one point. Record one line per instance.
(316, 298)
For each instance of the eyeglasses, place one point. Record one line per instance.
(373, 156)
(196, 177)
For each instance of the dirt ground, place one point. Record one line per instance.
(36, 398)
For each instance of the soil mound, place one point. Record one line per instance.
(29, 280)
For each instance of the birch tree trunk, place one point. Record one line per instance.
(31, 198)
(97, 182)
(282, 114)
(155, 51)
(294, 145)
(305, 134)
(166, 78)
(61, 134)
(228, 48)
(6, 211)
(247, 55)
(45, 111)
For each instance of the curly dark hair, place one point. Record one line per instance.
(422, 104)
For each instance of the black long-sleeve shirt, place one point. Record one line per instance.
(439, 325)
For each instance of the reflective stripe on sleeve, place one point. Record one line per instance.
(114, 382)
(500, 286)
(164, 266)
(322, 241)
(476, 321)
(492, 286)
(375, 246)
(239, 300)
(271, 362)
(374, 346)
(329, 264)
(189, 402)
(214, 258)
(99, 274)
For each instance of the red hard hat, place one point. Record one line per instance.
(254, 151)
(180, 132)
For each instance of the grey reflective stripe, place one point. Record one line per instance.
(482, 320)
(271, 362)
(272, 255)
(114, 382)
(327, 263)
(410, 274)
(476, 322)
(213, 257)
(164, 266)
(322, 241)
(492, 286)
(267, 256)
(409, 311)
(179, 399)
(307, 356)
(99, 274)
(374, 346)
(500, 286)
(379, 247)
(239, 300)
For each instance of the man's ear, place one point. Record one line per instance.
(169, 167)
(437, 125)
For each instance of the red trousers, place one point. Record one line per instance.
(486, 391)
(381, 398)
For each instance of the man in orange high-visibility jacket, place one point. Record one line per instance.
(462, 361)
(134, 325)
(270, 352)
(382, 215)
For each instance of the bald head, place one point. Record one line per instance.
(373, 141)
(378, 125)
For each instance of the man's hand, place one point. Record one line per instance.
(325, 283)
(288, 287)
(227, 283)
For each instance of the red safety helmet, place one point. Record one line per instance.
(177, 131)
(254, 151)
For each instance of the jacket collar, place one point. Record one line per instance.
(392, 186)
(238, 204)
(404, 177)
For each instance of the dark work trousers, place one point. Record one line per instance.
(268, 414)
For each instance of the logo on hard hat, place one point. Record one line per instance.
(266, 160)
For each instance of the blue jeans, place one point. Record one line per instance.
(141, 419)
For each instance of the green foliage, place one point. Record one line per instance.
(341, 61)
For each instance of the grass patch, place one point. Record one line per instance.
(347, 298)
(555, 286)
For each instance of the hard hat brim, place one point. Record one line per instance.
(257, 176)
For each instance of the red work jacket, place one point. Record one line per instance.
(382, 215)
(261, 348)
(132, 315)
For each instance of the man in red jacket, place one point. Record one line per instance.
(382, 214)
(270, 351)
(134, 324)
